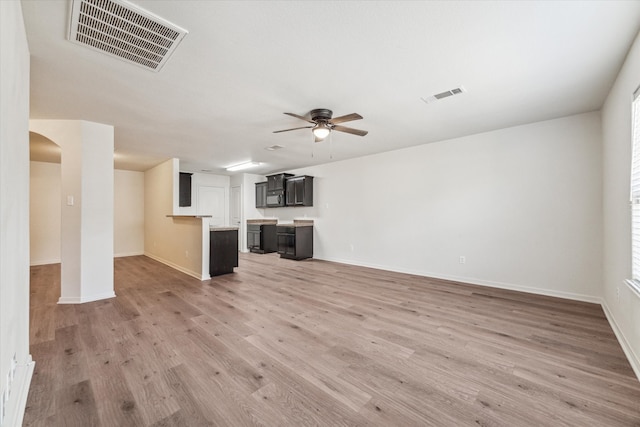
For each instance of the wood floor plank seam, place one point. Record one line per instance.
(287, 343)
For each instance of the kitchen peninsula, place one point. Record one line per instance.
(207, 250)
(223, 250)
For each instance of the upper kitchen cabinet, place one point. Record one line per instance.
(276, 182)
(299, 191)
(185, 189)
(261, 194)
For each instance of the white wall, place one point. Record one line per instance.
(86, 249)
(207, 180)
(623, 311)
(45, 209)
(128, 218)
(177, 242)
(522, 204)
(14, 212)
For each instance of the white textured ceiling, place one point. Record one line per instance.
(222, 94)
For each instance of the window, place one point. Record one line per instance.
(635, 192)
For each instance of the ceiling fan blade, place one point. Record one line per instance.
(350, 130)
(300, 117)
(287, 130)
(347, 118)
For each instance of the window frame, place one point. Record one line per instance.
(634, 193)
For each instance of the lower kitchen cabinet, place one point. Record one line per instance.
(295, 242)
(261, 238)
(223, 251)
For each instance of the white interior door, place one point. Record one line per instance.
(236, 213)
(211, 202)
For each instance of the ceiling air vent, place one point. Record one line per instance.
(442, 95)
(126, 31)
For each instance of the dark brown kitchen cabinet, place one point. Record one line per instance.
(295, 242)
(261, 195)
(276, 182)
(299, 191)
(223, 251)
(185, 189)
(261, 238)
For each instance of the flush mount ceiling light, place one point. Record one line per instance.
(124, 30)
(242, 166)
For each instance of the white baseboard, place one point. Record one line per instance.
(633, 358)
(20, 390)
(80, 300)
(181, 269)
(474, 281)
(45, 262)
(58, 260)
(124, 254)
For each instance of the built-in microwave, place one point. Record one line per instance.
(275, 198)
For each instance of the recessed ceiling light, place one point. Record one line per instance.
(241, 166)
(273, 147)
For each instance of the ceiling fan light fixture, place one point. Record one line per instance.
(321, 130)
(323, 123)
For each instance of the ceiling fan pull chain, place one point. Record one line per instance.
(330, 146)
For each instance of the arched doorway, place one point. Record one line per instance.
(86, 207)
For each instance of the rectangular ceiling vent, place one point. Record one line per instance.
(446, 94)
(126, 31)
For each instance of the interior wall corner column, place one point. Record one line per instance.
(87, 207)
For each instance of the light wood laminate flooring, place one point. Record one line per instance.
(313, 343)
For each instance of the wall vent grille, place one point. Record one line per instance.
(445, 94)
(126, 31)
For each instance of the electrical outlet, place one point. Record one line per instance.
(618, 293)
(186, 254)
(463, 260)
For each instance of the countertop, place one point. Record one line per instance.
(218, 228)
(297, 223)
(264, 221)
(188, 216)
(274, 221)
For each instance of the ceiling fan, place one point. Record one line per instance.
(323, 124)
